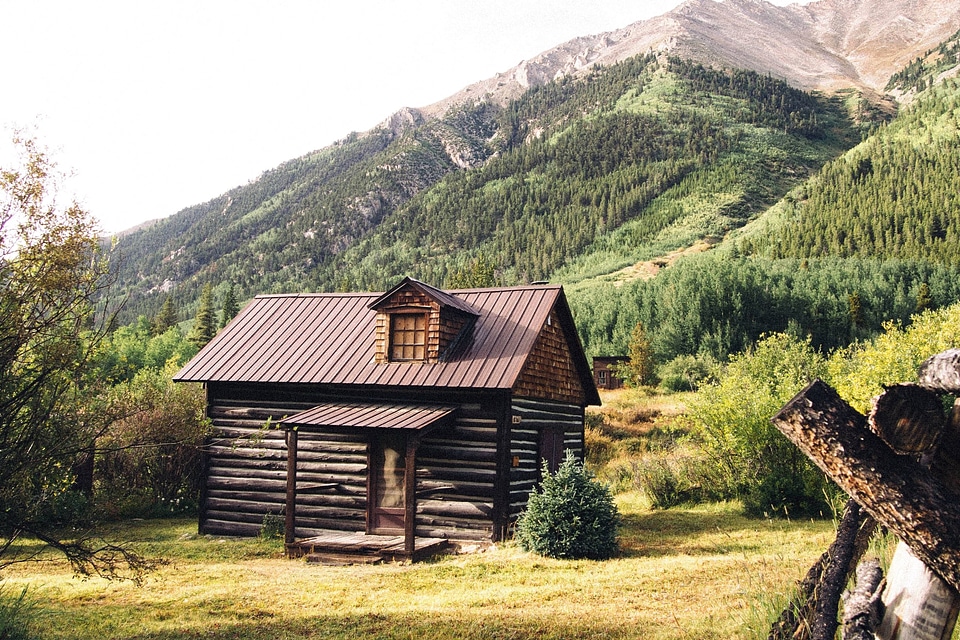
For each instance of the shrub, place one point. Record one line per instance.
(687, 373)
(572, 516)
(754, 461)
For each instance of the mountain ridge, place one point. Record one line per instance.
(825, 45)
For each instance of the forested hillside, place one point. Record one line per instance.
(577, 177)
(873, 237)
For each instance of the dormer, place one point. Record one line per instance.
(420, 323)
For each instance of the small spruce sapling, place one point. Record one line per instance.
(571, 516)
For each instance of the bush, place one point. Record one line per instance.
(687, 373)
(754, 461)
(572, 516)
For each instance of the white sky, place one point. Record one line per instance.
(156, 106)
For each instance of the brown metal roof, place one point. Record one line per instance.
(369, 416)
(328, 338)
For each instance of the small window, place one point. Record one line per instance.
(602, 377)
(408, 337)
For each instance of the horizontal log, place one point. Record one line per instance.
(941, 373)
(447, 508)
(252, 496)
(431, 527)
(280, 453)
(894, 489)
(216, 527)
(453, 474)
(428, 452)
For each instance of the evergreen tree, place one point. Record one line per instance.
(166, 318)
(924, 297)
(229, 308)
(204, 324)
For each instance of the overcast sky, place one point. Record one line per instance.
(156, 106)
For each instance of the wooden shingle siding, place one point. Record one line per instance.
(535, 415)
(550, 372)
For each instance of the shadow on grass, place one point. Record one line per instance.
(483, 625)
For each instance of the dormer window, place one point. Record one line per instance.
(408, 337)
(419, 323)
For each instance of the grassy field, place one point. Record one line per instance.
(699, 572)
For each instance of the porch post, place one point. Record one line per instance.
(290, 521)
(410, 497)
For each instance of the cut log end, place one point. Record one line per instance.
(909, 418)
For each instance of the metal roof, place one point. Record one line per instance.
(328, 338)
(368, 416)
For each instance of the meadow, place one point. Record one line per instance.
(687, 572)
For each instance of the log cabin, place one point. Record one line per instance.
(419, 414)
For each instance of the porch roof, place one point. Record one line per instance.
(415, 417)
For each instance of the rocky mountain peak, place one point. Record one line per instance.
(825, 45)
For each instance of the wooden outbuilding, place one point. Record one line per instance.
(605, 374)
(416, 414)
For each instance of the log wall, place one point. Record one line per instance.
(534, 416)
(456, 477)
(246, 469)
(246, 472)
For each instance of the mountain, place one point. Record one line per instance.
(603, 154)
(825, 45)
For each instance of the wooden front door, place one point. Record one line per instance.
(387, 482)
(550, 448)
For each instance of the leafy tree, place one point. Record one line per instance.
(572, 516)
(639, 369)
(229, 307)
(51, 272)
(166, 318)
(204, 324)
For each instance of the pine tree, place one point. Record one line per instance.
(229, 308)
(166, 318)
(204, 324)
(924, 298)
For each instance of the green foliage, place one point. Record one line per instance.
(229, 308)
(717, 303)
(758, 464)
(204, 324)
(860, 371)
(687, 372)
(896, 195)
(166, 319)
(16, 614)
(478, 273)
(638, 370)
(148, 460)
(134, 347)
(571, 516)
